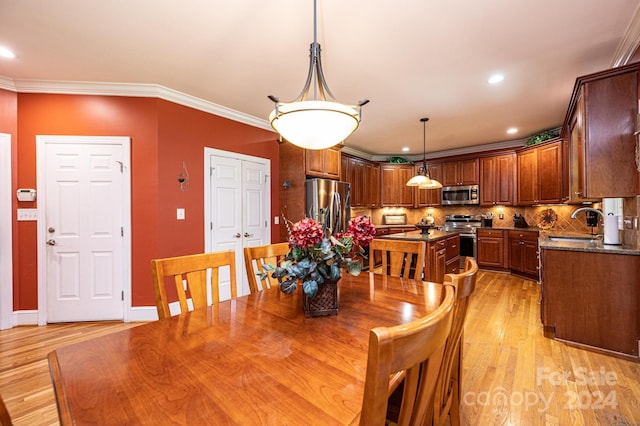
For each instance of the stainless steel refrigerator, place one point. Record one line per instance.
(329, 202)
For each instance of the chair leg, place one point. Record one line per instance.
(456, 376)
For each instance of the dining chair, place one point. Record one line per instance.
(398, 257)
(415, 348)
(256, 257)
(190, 273)
(447, 393)
(5, 418)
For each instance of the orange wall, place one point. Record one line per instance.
(162, 134)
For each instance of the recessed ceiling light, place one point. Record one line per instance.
(405, 149)
(512, 130)
(496, 78)
(6, 53)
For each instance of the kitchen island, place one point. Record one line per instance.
(590, 293)
(442, 252)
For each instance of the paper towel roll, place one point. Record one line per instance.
(611, 234)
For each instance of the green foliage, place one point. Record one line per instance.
(400, 160)
(542, 136)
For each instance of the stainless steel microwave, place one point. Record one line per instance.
(463, 194)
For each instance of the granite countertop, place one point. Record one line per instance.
(511, 228)
(594, 245)
(433, 235)
(393, 226)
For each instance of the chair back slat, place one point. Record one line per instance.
(416, 348)
(191, 271)
(256, 257)
(447, 393)
(5, 418)
(399, 257)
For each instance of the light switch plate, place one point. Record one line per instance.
(27, 214)
(180, 214)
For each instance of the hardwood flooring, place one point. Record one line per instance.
(512, 374)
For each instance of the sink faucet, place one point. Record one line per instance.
(586, 209)
(609, 237)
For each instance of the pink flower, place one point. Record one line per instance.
(362, 230)
(306, 233)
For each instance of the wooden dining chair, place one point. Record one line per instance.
(447, 393)
(190, 273)
(5, 418)
(256, 257)
(399, 257)
(415, 348)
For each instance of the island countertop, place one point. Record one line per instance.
(433, 235)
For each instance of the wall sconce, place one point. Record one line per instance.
(183, 177)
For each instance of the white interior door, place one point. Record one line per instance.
(6, 245)
(84, 224)
(239, 206)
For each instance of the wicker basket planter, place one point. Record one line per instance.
(324, 303)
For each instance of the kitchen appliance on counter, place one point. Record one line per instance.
(461, 194)
(329, 202)
(467, 225)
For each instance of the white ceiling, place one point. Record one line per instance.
(411, 58)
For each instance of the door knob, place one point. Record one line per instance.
(51, 242)
(51, 229)
(246, 234)
(237, 235)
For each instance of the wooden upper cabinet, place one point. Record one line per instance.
(324, 163)
(497, 180)
(600, 126)
(364, 177)
(464, 172)
(539, 174)
(371, 184)
(430, 197)
(393, 182)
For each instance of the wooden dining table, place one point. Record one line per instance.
(255, 360)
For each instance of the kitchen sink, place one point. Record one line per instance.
(576, 238)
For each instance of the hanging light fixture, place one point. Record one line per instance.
(422, 180)
(315, 123)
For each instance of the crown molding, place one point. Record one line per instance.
(629, 42)
(131, 89)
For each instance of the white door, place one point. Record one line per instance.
(6, 241)
(239, 209)
(84, 220)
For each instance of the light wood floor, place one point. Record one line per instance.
(512, 374)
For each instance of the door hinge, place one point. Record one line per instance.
(122, 231)
(211, 171)
(265, 223)
(211, 226)
(122, 295)
(121, 166)
(266, 178)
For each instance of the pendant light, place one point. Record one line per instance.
(315, 123)
(422, 180)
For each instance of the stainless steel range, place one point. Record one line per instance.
(467, 225)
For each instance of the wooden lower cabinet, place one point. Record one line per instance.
(491, 248)
(523, 252)
(443, 257)
(592, 298)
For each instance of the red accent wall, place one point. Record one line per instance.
(163, 134)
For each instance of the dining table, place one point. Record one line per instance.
(255, 359)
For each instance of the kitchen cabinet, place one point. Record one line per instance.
(490, 248)
(324, 163)
(442, 257)
(600, 125)
(539, 174)
(452, 258)
(523, 253)
(497, 180)
(436, 261)
(430, 197)
(393, 181)
(463, 172)
(592, 299)
(364, 177)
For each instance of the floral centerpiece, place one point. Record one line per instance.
(316, 256)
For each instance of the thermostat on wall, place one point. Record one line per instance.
(26, 194)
